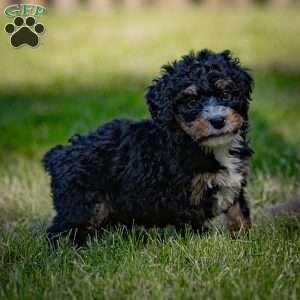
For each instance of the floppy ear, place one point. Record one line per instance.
(243, 73)
(248, 82)
(159, 101)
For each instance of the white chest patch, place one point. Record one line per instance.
(228, 181)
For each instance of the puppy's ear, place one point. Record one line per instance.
(159, 102)
(243, 74)
(248, 82)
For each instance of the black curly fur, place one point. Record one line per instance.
(141, 171)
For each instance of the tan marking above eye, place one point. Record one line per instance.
(225, 84)
(191, 90)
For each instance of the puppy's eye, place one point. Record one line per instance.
(226, 95)
(191, 103)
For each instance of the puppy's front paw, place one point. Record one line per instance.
(236, 220)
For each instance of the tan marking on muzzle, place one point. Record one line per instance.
(235, 119)
(197, 129)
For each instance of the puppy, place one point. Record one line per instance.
(185, 165)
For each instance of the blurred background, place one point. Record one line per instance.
(96, 58)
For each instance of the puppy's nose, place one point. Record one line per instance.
(217, 122)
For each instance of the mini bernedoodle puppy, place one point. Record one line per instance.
(185, 165)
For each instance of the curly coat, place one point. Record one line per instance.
(167, 170)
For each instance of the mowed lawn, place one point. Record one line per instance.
(93, 67)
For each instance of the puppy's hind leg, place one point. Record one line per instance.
(79, 223)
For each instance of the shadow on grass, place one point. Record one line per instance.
(273, 153)
(32, 119)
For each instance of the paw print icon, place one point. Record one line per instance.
(24, 32)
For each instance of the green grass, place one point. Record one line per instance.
(93, 67)
(156, 266)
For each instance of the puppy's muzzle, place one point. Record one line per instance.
(216, 125)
